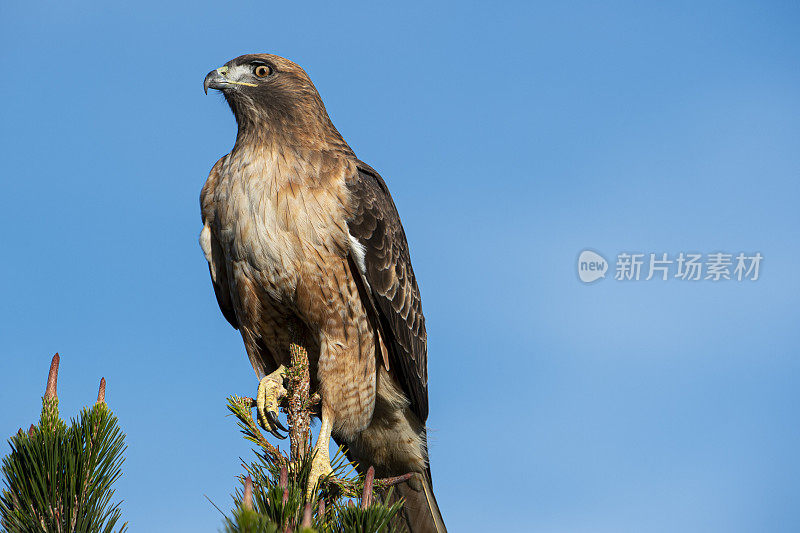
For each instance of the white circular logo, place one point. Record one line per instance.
(591, 266)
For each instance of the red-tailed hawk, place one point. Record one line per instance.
(301, 235)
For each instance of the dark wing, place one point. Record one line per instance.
(219, 278)
(213, 251)
(390, 283)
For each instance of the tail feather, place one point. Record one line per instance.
(420, 512)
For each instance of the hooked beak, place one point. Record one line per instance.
(218, 79)
(215, 79)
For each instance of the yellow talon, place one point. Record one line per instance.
(270, 393)
(320, 468)
(321, 462)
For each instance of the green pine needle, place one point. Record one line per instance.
(60, 478)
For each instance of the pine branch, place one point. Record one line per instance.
(60, 478)
(274, 498)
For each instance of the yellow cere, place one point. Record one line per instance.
(224, 70)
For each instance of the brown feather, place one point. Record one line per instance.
(393, 287)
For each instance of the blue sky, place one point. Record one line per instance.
(512, 136)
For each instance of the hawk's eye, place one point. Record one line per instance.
(262, 71)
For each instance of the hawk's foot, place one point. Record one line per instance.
(270, 393)
(320, 467)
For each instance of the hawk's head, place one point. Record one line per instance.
(268, 92)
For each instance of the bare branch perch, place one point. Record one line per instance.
(298, 409)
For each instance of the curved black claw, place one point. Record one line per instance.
(272, 416)
(276, 433)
